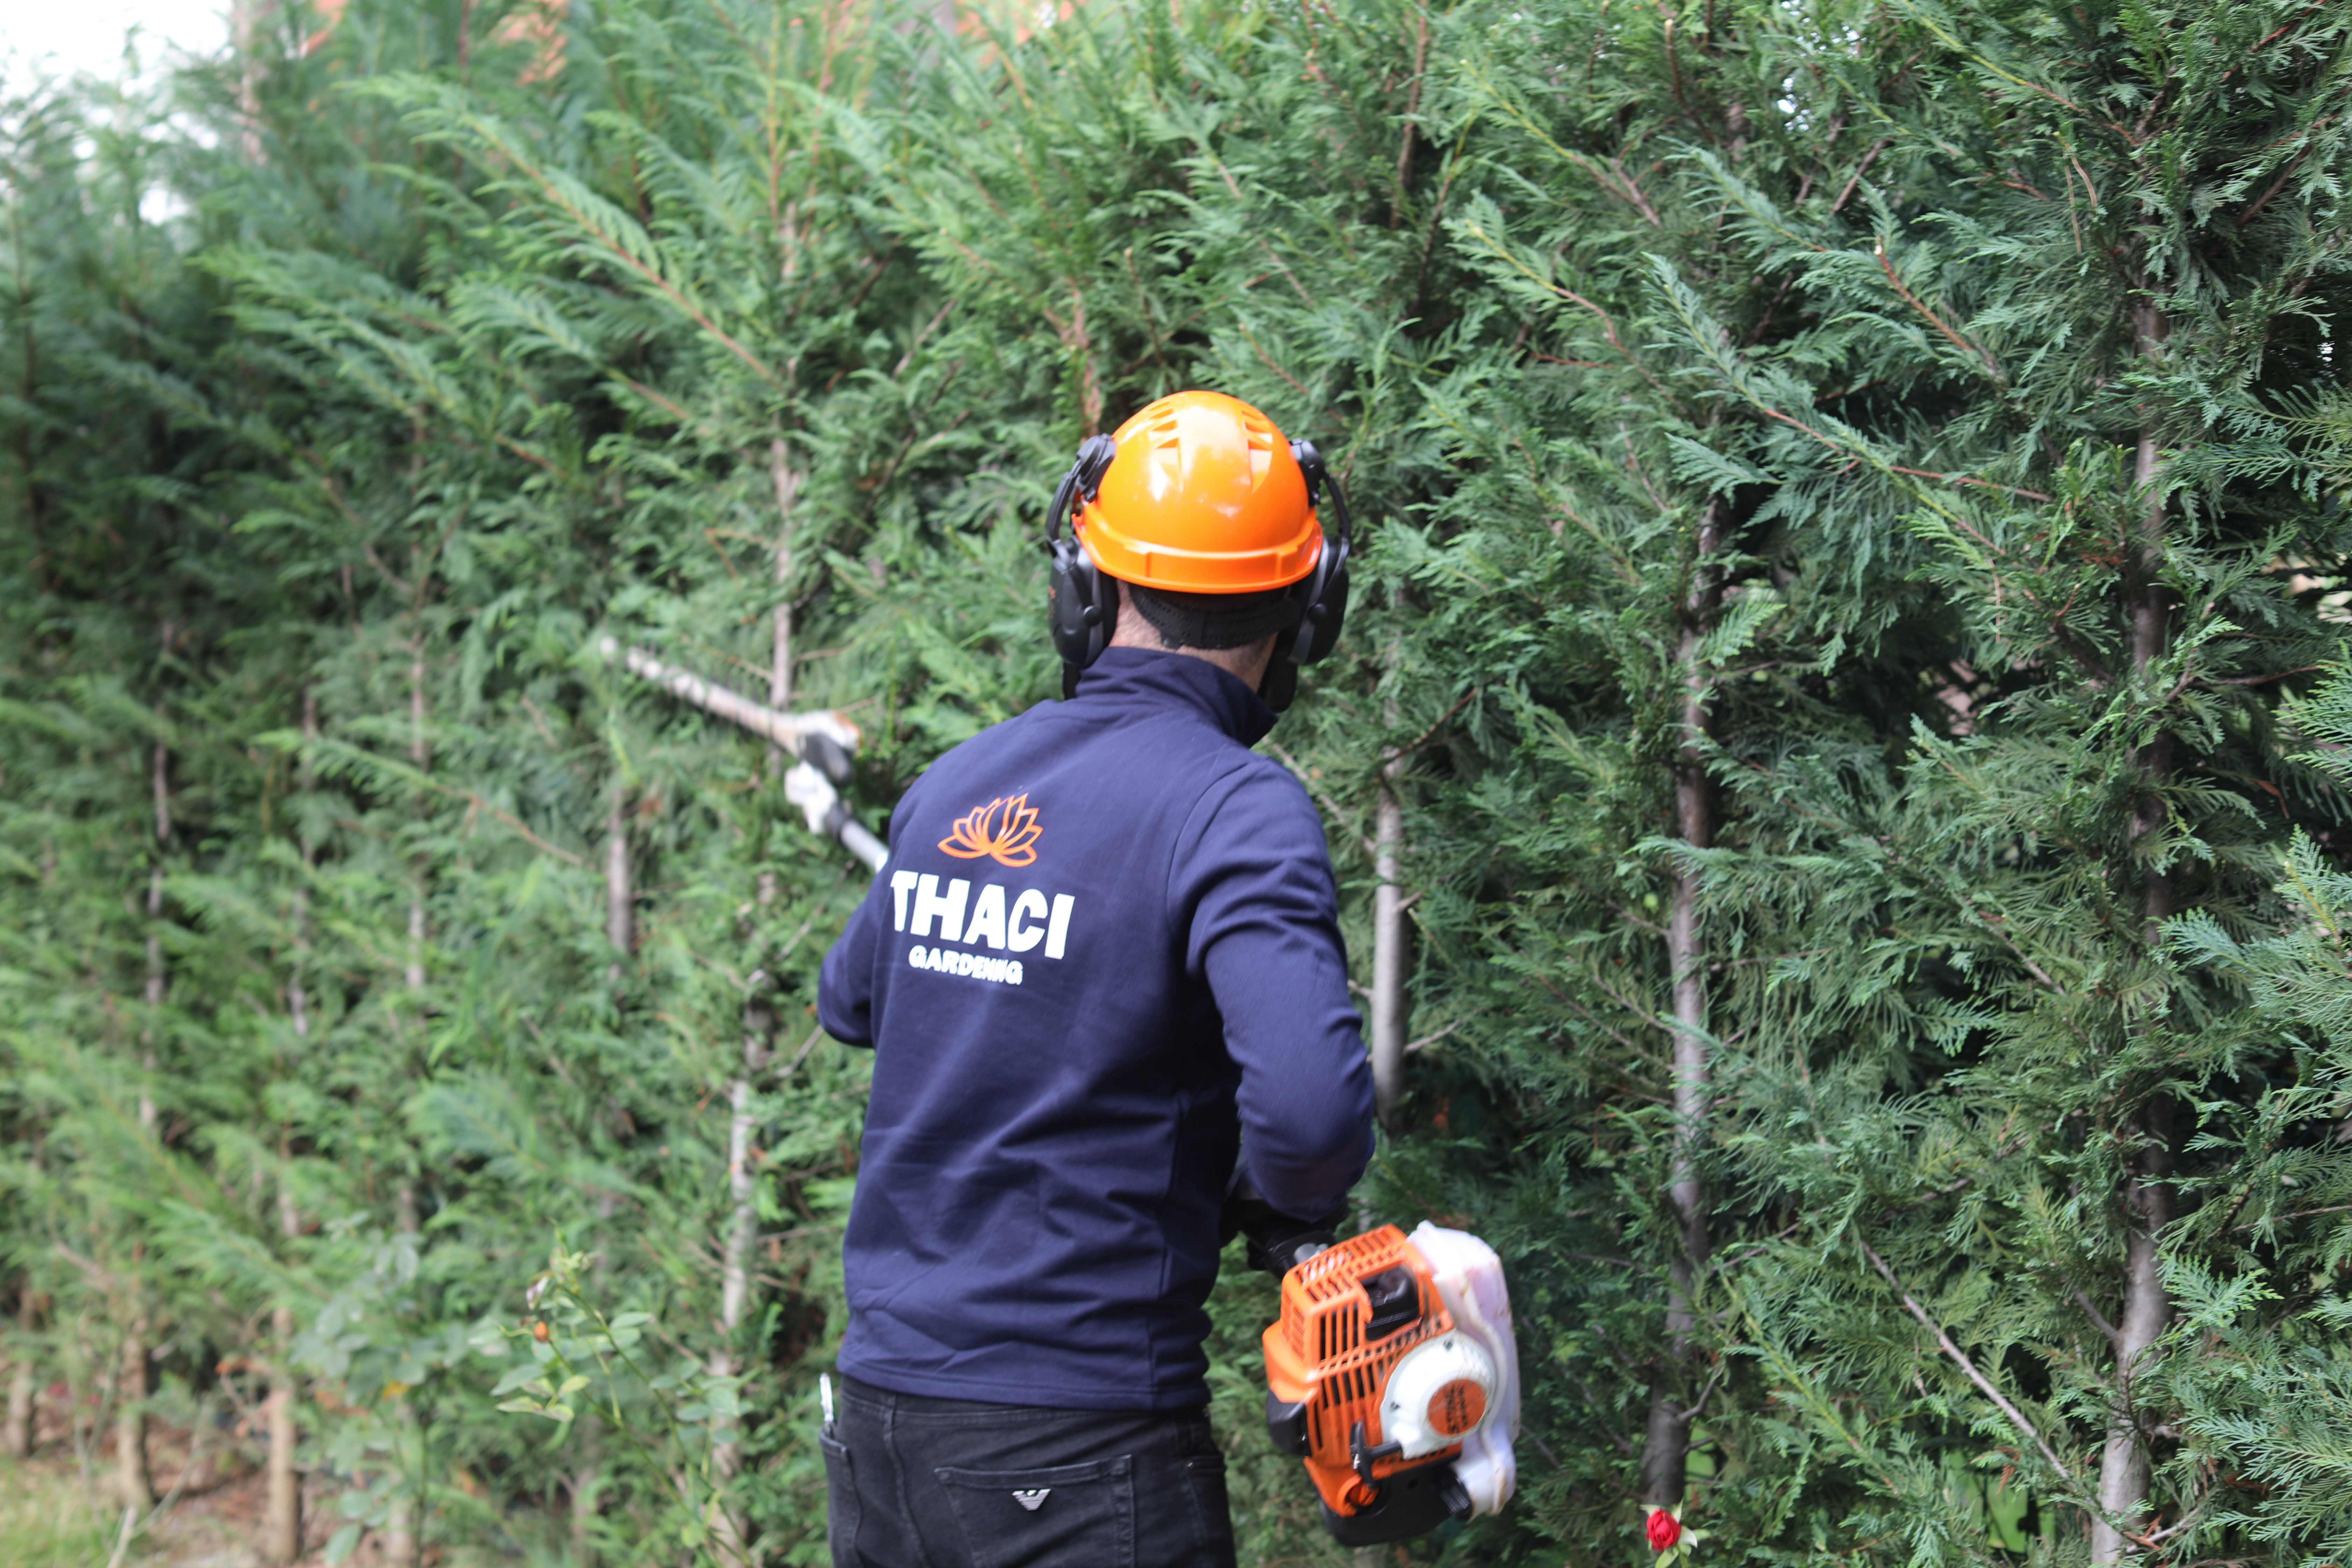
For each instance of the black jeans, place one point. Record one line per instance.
(913, 1482)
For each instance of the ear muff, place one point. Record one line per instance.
(1322, 594)
(1081, 599)
(1324, 591)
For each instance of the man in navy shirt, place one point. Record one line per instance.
(1102, 979)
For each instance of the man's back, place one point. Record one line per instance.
(1071, 896)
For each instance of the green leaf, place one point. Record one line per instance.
(517, 1377)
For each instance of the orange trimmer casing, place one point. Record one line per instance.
(1330, 1353)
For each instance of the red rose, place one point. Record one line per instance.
(1664, 1528)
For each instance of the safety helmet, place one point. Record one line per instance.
(1202, 496)
(1198, 494)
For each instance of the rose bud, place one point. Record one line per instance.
(1664, 1530)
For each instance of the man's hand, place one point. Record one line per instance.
(1278, 1242)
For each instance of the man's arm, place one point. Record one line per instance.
(1265, 935)
(844, 984)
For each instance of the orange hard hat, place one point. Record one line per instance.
(1202, 496)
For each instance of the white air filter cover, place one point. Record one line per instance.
(1469, 1278)
(1437, 1395)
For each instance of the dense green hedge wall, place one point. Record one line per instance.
(1846, 684)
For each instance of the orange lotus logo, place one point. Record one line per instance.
(1005, 830)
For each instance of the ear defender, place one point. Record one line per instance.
(1322, 592)
(1081, 599)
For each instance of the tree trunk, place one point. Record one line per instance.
(400, 1533)
(787, 482)
(742, 1233)
(400, 1536)
(281, 1540)
(1388, 943)
(16, 1438)
(134, 1482)
(282, 1528)
(420, 752)
(2124, 1464)
(620, 930)
(2151, 626)
(588, 1479)
(1388, 913)
(29, 436)
(742, 1187)
(735, 1278)
(298, 996)
(619, 897)
(246, 17)
(416, 973)
(1666, 1451)
(134, 1478)
(160, 777)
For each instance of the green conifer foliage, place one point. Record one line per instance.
(1837, 808)
(1848, 366)
(1664, 617)
(2100, 341)
(609, 377)
(126, 1041)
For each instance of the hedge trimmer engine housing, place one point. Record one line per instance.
(1392, 1371)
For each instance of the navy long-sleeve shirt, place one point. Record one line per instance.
(1104, 944)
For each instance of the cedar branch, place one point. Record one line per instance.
(1960, 1358)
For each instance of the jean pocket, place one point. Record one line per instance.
(1068, 1516)
(1212, 1518)
(840, 1502)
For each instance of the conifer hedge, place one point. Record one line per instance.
(1838, 772)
